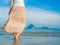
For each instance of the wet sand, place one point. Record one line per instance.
(44, 38)
(29, 40)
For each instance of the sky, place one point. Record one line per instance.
(38, 12)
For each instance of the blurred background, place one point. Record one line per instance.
(42, 21)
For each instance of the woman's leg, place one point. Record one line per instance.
(16, 36)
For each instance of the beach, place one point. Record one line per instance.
(7, 39)
(30, 40)
(42, 23)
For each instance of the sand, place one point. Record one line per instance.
(7, 39)
(29, 40)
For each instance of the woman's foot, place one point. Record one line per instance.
(15, 36)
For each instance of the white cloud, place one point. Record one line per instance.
(4, 11)
(43, 17)
(35, 16)
(3, 15)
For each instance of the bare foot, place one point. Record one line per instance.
(16, 37)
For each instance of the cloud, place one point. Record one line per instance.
(35, 16)
(3, 15)
(4, 11)
(43, 17)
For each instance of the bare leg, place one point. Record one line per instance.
(16, 36)
(15, 42)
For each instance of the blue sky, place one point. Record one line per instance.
(46, 4)
(39, 12)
